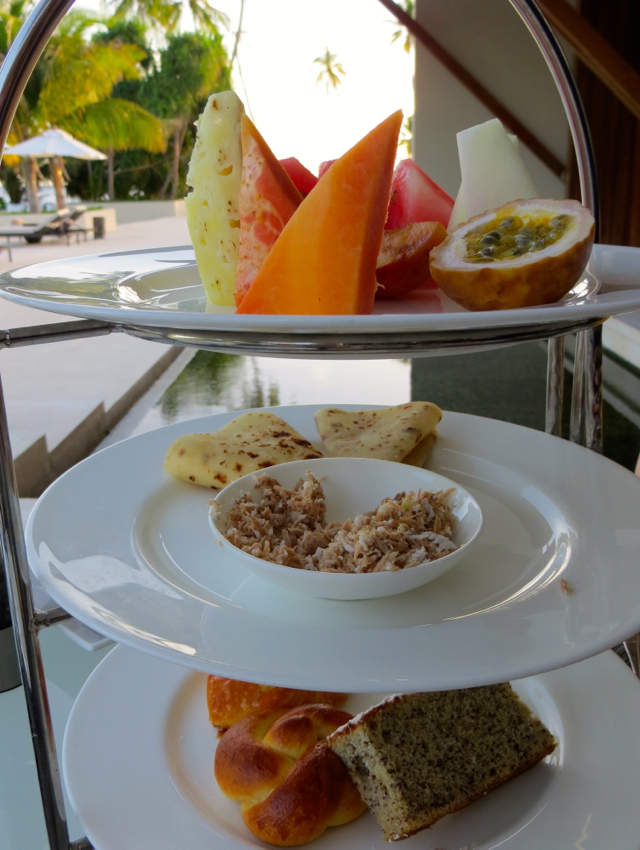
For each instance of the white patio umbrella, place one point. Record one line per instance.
(55, 144)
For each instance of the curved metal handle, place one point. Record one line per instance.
(39, 26)
(23, 55)
(559, 67)
(586, 407)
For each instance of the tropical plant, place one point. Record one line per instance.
(406, 135)
(331, 70)
(71, 89)
(12, 14)
(163, 16)
(409, 7)
(192, 66)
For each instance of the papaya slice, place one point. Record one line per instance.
(324, 262)
(268, 198)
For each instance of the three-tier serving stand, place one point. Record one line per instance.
(586, 408)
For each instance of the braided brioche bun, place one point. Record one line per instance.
(230, 701)
(290, 784)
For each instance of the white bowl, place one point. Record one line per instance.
(353, 486)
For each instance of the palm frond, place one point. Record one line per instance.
(331, 69)
(78, 74)
(118, 124)
(206, 18)
(409, 8)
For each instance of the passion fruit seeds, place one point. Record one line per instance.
(513, 236)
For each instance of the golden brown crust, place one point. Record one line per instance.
(316, 794)
(291, 785)
(230, 701)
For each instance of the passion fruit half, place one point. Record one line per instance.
(522, 254)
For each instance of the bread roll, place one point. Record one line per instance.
(291, 786)
(230, 701)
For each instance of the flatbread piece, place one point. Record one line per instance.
(252, 442)
(389, 433)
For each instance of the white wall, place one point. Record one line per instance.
(129, 211)
(490, 40)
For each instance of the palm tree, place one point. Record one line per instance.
(114, 125)
(331, 70)
(192, 66)
(163, 16)
(71, 89)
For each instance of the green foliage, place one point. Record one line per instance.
(406, 135)
(409, 7)
(12, 183)
(192, 66)
(188, 70)
(12, 14)
(118, 124)
(331, 70)
(130, 31)
(163, 16)
(78, 72)
(101, 82)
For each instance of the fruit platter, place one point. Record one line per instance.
(370, 257)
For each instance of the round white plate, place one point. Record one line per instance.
(127, 550)
(161, 288)
(138, 767)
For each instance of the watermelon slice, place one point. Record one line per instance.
(268, 198)
(303, 179)
(415, 197)
(324, 261)
(324, 167)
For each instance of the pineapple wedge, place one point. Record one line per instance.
(215, 171)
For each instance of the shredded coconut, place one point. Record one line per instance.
(288, 527)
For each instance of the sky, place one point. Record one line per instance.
(296, 115)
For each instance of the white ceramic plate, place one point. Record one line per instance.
(161, 288)
(127, 550)
(138, 756)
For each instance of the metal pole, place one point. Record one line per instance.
(586, 407)
(14, 557)
(555, 386)
(58, 332)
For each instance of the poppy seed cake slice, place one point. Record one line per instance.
(418, 757)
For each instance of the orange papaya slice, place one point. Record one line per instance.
(324, 261)
(268, 198)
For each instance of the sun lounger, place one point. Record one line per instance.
(34, 232)
(70, 225)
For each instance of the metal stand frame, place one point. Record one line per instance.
(586, 414)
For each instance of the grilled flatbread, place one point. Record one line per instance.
(252, 442)
(390, 433)
(422, 452)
